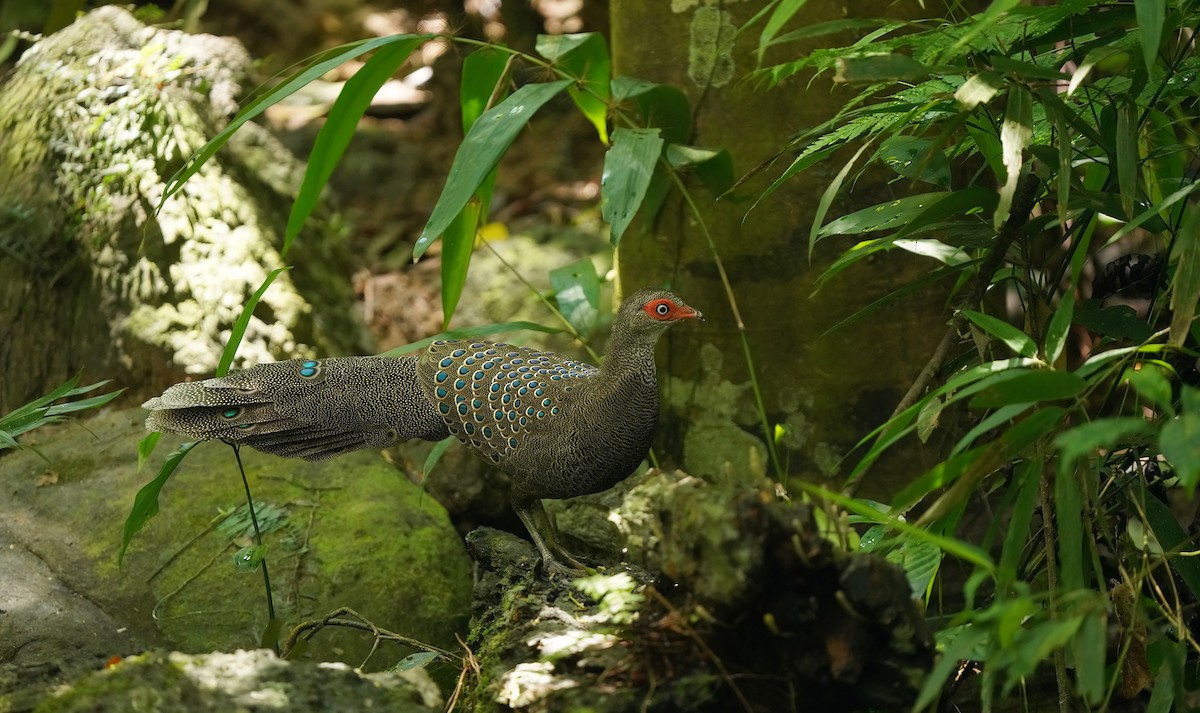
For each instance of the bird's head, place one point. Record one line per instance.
(652, 311)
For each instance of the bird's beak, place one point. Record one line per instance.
(693, 313)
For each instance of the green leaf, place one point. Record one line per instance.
(435, 455)
(980, 24)
(1107, 433)
(921, 561)
(660, 105)
(1088, 649)
(783, 12)
(957, 650)
(1180, 443)
(320, 65)
(1027, 479)
(243, 320)
(1068, 507)
(827, 197)
(872, 68)
(1185, 288)
(480, 152)
(145, 503)
(962, 203)
(713, 167)
(883, 216)
(458, 246)
(339, 127)
(421, 659)
(628, 166)
(1171, 537)
(1036, 385)
(1151, 14)
(915, 157)
(483, 330)
(248, 558)
(483, 74)
(979, 89)
(1127, 156)
(583, 56)
(1015, 133)
(1059, 328)
(1014, 338)
(936, 249)
(146, 446)
(577, 291)
(1118, 321)
(1151, 385)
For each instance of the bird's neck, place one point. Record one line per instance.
(629, 356)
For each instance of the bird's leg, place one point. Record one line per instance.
(555, 559)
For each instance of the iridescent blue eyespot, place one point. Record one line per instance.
(512, 415)
(529, 411)
(478, 375)
(476, 403)
(510, 355)
(554, 410)
(488, 364)
(441, 376)
(523, 421)
(541, 414)
(517, 361)
(556, 378)
(545, 402)
(458, 352)
(522, 369)
(539, 392)
(512, 375)
(441, 392)
(462, 409)
(512, 443)
(310, 362)
(522, 391)
(506, 398)
(495, 457)
(444, 408)
(244, 426)
(469, 360)
(479, 418)
(469, 428)
(499, 415)
(308, 371)
(495, 388)
(231, 412)
(490, 352)
(487, 432)
(446, 362)
(460, 384)
(462, 371)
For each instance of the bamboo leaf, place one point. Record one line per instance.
(321, 64)
(243, 321)
(628, 167)
(784, 11)
(827, 198)
(145, 503)
(1127, 156)
(577, 291)
(884, 216)
(480, 153)
(584, 56)
(1015, 134)
(1059, 328)
(1151, 14)
(339, 127)
(1185, 288)
(1014, 338)
(1034, 385)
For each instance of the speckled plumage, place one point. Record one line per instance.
(559, 427)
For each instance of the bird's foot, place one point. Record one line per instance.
(564, 566)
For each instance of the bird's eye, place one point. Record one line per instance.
(663, 309)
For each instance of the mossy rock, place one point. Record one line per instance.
(351, 532)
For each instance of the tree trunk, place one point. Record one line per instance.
(828, 392)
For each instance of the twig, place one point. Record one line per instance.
(309, 629)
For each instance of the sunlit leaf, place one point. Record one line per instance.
(871, 68)
(1180, 441)
(421, 659)
(883, 216)
(1151, 385)
(583, 56)
(827, 197)
(979, 89)
(146, 446)
(916, 157)
(784, 10)
(1015, 133)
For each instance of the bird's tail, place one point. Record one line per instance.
(311, 409)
